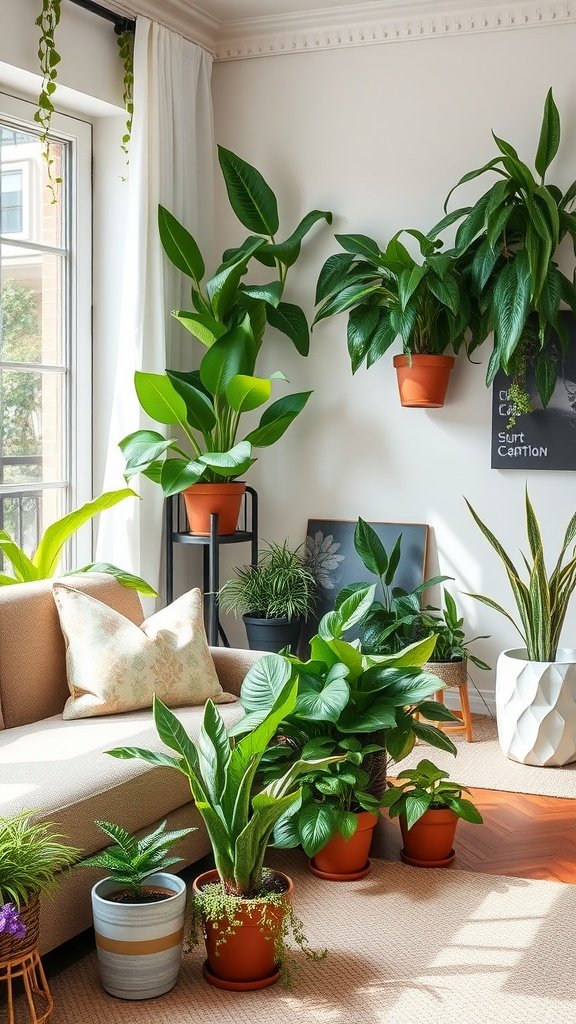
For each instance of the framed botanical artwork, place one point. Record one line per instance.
(332, 556)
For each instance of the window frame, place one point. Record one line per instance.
(77, 354)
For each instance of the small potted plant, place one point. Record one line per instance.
(429, 807)
(450, 656)
(244, 907)
(388, 293)
(138, 912)
(31, 857)
(274, 597)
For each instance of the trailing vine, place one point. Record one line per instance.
(126, 48)
(49, 58)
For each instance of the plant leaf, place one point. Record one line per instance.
(251, 198)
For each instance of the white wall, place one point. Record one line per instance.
(378, 134)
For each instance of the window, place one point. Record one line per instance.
(45, 336)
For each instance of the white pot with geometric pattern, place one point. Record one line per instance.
(139, 945)
(536, 708)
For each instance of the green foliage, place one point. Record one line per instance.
(388, 293)
(221, 774)
(506, 247)
(279, 586)
(427, 788)
(44, 563)
(129, 860)
(446, 624)
(220, 908)
(126, 49)
(352, 706)
(47, 21)
(229, 319)
(542, 600)
(31, 855)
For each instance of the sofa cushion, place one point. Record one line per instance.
(32, 659)
(59, 770)
(114, 665)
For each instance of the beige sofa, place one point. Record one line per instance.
(59, 769)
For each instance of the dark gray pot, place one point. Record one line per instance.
(272, 634)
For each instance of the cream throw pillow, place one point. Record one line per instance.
(113, 665)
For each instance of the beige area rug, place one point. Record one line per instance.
(483, 765)
(405, 945)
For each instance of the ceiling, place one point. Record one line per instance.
(240, 10)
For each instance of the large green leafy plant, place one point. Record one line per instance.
(506, 246)
(542, 599)
(221, 774)
(229, 319)
(388, 293)
(46, 559)
(349, 703)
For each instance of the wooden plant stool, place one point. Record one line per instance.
(38, 998)
(454, 675)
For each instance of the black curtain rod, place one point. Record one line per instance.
(121, 24)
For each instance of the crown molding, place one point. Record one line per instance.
(360, 24)
(373, 24)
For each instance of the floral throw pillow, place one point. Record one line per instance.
(113, 665)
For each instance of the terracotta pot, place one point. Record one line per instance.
(343, 860)
(423, 380)
(246, 959)
(223, 500)
(430, 842)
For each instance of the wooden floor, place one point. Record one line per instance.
(522, 835)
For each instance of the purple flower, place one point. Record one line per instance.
(11, 922)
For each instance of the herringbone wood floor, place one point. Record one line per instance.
(523, 836)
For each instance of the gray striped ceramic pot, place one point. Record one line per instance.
(139, 945)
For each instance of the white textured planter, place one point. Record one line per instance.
(536, 708)
(139, 945)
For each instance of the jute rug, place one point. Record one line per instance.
(424, 946)
(482, 764)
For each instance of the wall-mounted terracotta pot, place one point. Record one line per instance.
(223, 499)
(423, 380)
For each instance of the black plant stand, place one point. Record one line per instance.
(176, 533)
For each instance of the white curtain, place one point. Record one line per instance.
(172, 163)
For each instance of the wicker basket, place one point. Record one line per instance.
(452, 673)
(12, 948)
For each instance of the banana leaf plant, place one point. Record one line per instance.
(506, 246)
(45, 561)
(389, 294)
(221, 772)
(362, 706)
(229, 318)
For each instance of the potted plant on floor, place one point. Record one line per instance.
(507, 250)
(229, 319)
(536, 683)
(31, 857)
(138, 912)
(388, 294)
(274, 597)
(363, 706)
(244, 907)
(429, 807)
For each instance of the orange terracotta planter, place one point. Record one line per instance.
(246, 959)
(423, 380)
(430, 842)
(344, 860)
(223, 500)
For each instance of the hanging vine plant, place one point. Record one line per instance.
(49, 58)
(126, 48)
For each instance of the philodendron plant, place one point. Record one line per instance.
(221, 774)
(349, 703)
(506, 246)
(46, 559)
(229, 319)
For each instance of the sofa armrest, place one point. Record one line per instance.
(232, 664)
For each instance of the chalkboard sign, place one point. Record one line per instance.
(544, 438)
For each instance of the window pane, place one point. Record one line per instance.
(32, 426)
(26, 514)
(31, 307)
(26, 208)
